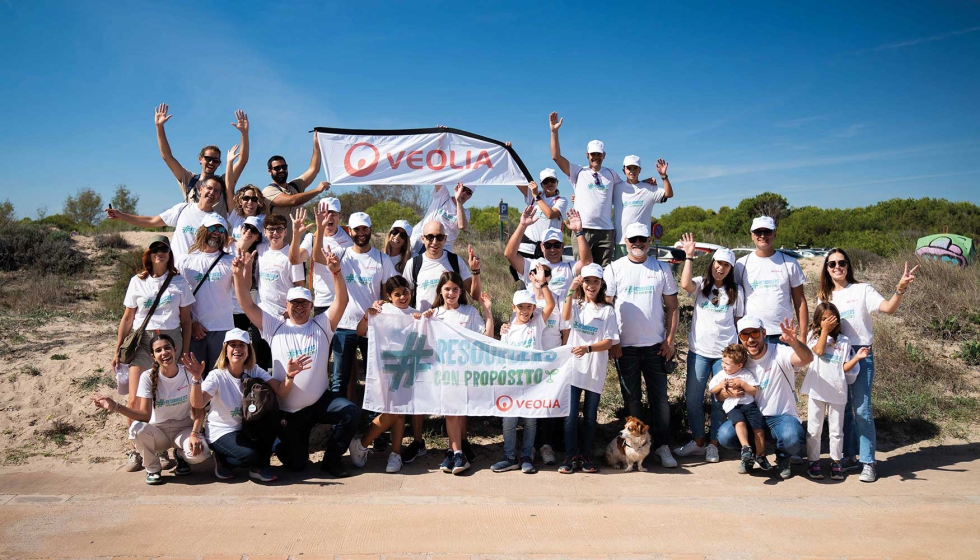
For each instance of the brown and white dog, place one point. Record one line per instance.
(630, 447)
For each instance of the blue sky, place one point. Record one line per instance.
(829, 104)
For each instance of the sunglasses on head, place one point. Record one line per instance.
(552, 245)
(282, 167)
(754, 334)
(218, 228)
(159, 249)
(248, 198)
(761, 232)
(638, 239)
(435, 237)
(834, 264)
(209, 159)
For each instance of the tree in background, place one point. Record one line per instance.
(84, 208)
(6, 211)
(124, 200)
(385, 212)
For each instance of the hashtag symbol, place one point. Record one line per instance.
(408, 361)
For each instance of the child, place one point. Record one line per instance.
(526, 331)
(397, 298)
(594, 330)
(826, 383)
(742, 410)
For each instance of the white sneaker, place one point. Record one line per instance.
(711, 453)
(666, 459)
(394, 462)
(358, 453)
(548, 455)
(868, 474)
(690, 448)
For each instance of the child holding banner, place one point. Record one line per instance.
(594, 330)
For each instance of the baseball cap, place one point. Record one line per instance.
(254, 221)
(547, 173)
(358, 219)
(637, 229)
(239, 335)
(631, 160)
(543, 262)
(596, 146)
(158, 239)
(750, 323)
(524, 296)
(214, 220)
(471, 187)
(329, 204)
(591, 270)
(404, 225)
(763, 222)
(724, 255)
(551, 234)
(298, 292)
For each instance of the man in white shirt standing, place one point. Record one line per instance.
(774, 367)
(284, 195)
(633, 200)
(447, 209)
(645, 295)
(593, 190)
(433, 262)
(772, 283)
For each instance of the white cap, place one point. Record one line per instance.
(358, 219)
(239, 335)
(298, 292)
(214, 220)
(750, 323)
(551, 234)
(471, 187)
(591, 270)
(254, 221)
(329, 204)
(724, 255)
(404, 225)
(596, 146)
(547, 173)
(524, 296)
(763, 222)
(637, 229)
(631, 160)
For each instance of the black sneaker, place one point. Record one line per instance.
(460, 463)
(588, 465)
(468, 450)
(381, 442)
(763, 463)
(183, 469)
(415, 450)
(747, 453)
(785, 469)
(447, 462)
(334, 467)
(568, 467)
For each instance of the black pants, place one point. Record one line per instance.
(294, 432)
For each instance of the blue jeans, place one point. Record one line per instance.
(859, 421)
(774, 339)
(785, 429)
(208, 349)
(510, 437)
(345, 344)
(238, 450)
(293, 448)
(590, 412)
(646, 361)
(700, 370)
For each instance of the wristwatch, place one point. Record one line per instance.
(537, 196)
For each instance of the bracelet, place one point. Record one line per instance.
(475, 272)
(195, 381)
(570, 295)
(115, 406)
(590, 349)
(897, 291)
(663, 177)
(579, 233)
(689, 258)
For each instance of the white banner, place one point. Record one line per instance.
(434, 367)
(417, 157)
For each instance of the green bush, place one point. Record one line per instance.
(969, 352)
(28, 245)
(111, 241)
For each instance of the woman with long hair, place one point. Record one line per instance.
(162, 416)
(172, 317)
(249, 202)
(856, 302)
(396, 244)
(718, 305)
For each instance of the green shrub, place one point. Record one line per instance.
(969, 352)
(111, 241)
(111, 300)
(28, 245)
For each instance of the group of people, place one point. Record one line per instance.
(246, 292)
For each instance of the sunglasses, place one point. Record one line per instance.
(435, 237)
(552, 245)
(638, 239)
(250, 199)
(209, 159)
(834, 264)
(754, 334)
(399, 233)
(595, 177)
(276, 230)
(762, 232)
(282, 167)
(546, 272)
(300, 303)
(159, 249)
(714, 296)
(219, 229)
(252, 229)
(547, 181)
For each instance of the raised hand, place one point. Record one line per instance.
(504, 329)
(297, 365)
(241, 123)
(192, 365)
(233, 154)
(576, 283)
(300, 227)
(907, 277)
(788, 326)
(555, 121)
(539, 274)
(458, 189)
(320, 215)
(862, 353)
(533, 187)
(113, 214)
(529, 215)
(661, 167)
(574, 220)
(160, 116)
(333, 262)
(474, 261)
(485, 301)
(323, 186)
(687, 243)
(828, 323)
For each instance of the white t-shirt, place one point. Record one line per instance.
(639, 289)
(225, 416)
(777, 380)
(212, 307)
(391, 309)
(465, 316)
(730, 403)
(713, 326)
(322, 278)
(633, 204)
(365, 274)
(173, 400)
(141, 294)
(535, 231)
(590, 324)
(562, 274)
(275, 276)
(289, 340)
(766, 282)
(551, 337)
(825, 378)
(856, 303)
(186, 220)
(527, 335)
(442, 209)
(593, 200)
(429, 277)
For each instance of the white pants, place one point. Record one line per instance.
(157, 438)
(817, 410)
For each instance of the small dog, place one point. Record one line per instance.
(630, 447)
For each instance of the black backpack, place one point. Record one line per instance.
(453, 259)
(259, 401)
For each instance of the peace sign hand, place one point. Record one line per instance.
(192, 366)
(907, 277)
(333, 262)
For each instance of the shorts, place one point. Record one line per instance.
(748, 413)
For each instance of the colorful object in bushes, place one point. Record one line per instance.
(947, 247)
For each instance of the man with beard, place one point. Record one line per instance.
(330, 235)
(185, 217)
(207, 268)
(283, 195)
(641, 289)
(210, 159)
(774, 367)
(633, 199)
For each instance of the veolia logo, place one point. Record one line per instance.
(504, 403)
(363, 167)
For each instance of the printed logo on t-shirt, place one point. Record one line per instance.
(830, 358)
(160, 403)
(847, 314)
(638, 290)
(213, 277)
(269, 276)
(583, 328)
(165, 300)
(426, 284)
(552, 323)
(189, 229)
(236, 412)
(526, 343)
(362, 280)
(446, 215)
(708, 306)
(772, 284)
(632, 204)
(595, 187)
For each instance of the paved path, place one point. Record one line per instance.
(927, 504)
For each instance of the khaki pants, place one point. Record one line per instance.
(600, 241)
(157, 438)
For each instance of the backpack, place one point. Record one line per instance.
(192, 194)
(453, 259)
(258, 400)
